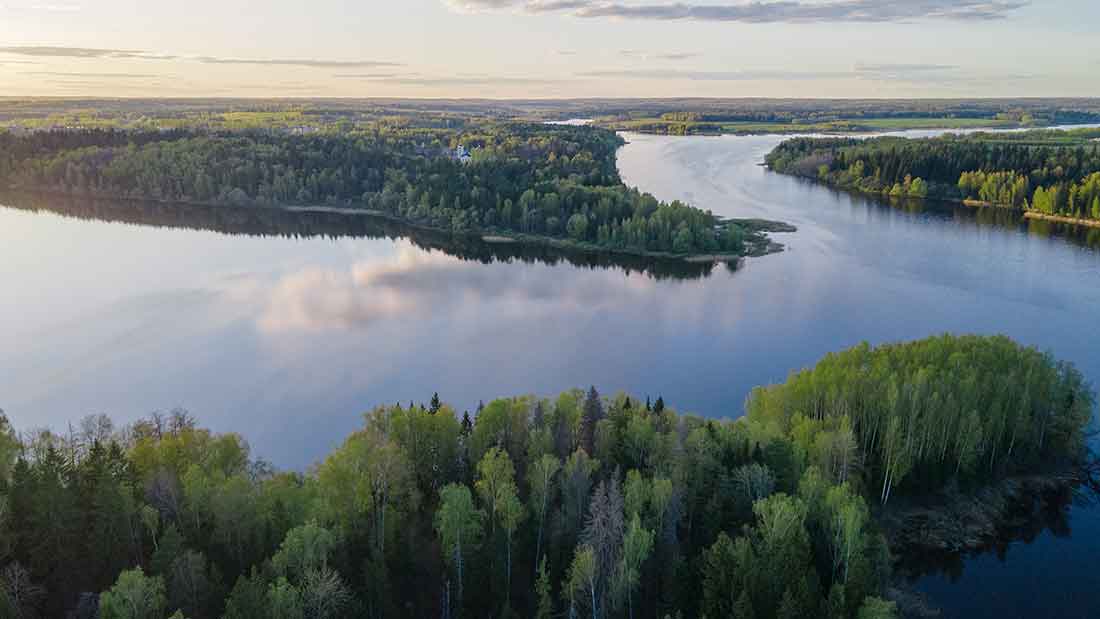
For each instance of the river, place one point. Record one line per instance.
(287, 334)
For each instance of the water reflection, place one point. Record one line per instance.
(960, 214)
(265, 222)
(1047, 512)
(414, 284)
(284, 326)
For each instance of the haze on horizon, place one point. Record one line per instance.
(550, 48)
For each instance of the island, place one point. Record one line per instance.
(526, 183)
(1046, 174)
(578, 505)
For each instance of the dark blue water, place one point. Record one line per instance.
(288, 339)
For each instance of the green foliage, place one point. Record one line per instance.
(458, 524)
(1050, 172)
(194, 587)
(306, 549)
(284, 601)
(545, 608)
(134, 596)
(582, 585)
(763, 517)
(526, 179)
(248, 598)
(9, 450)
(876, 608)
(935, 410)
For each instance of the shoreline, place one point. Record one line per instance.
(975, 204)
(761, 245)
(1091, 223)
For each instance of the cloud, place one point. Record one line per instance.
(414, 284)
(281, 87)
(44, 8)
(788, 11)
(374, 76)
(78, 86)
(297, 62)
(95, 75)
(903, 68)
(944, 75)
(47, 51)
(674, 56)
(472, 80)
(531, 6)
(712, 76)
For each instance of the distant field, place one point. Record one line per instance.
(678, 116)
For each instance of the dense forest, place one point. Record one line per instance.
(575, 506)
(1049, 172)
(481, 177)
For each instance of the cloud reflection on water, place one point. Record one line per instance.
(417, 284)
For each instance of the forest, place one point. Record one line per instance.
(667, 115)
(526, 180)
(575, 506)
(1049, 172)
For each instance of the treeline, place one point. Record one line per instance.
(580, 506)
(915, 416)
(554, 181)
(1051, 172)
(335, 225)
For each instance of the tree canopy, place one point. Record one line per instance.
(536, 180)
(1050, 172)
(419, 514)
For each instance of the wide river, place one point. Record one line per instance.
(287, 338)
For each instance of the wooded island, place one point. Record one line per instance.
(579, 505)
(529, 182)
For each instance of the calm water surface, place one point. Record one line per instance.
(286, 339)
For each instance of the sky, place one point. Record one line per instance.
(550, 48)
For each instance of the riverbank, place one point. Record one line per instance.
(977, 204)
(757, 243)
(1092, 223)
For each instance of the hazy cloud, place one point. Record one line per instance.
(95, 75)
(45, 8)
(298, 62)
(712, 76)
(374, 76)
(791, 11)
(47, 51)
(281, 87)
(903, 68)
(675, 56)
(471, 80)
